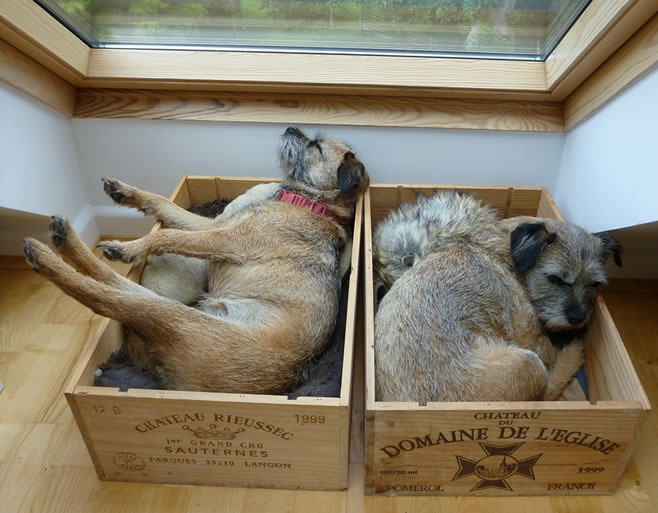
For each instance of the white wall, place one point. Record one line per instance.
(603, 174)
(609, 172)
(53, 165)
(15, 225)
(154, 154)
(39, 170)
(640, 256)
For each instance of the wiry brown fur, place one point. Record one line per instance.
(273, 279)
(469, 321)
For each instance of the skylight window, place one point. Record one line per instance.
(501, 29)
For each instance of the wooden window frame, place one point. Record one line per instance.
(599, 32)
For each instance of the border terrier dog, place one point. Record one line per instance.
(273, 282)
(473, 302)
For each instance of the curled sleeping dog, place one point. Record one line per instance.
(273, 282)
(473, 301)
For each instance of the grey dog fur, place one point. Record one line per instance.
(473, 299)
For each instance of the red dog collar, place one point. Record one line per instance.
(300, 201)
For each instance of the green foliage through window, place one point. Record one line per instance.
(517, 28)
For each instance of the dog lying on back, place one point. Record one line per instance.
(185, 279)
(473, 300)
(273, 282)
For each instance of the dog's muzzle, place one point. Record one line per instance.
(291, 130)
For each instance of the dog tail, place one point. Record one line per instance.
(414, 229)
(397, 246)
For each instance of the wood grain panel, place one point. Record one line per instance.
(46, 467)
(32, 30)
(507, 201)
(314, 70)
(233, 186)
(524, 201)
(547, 207)
(600, 30)
(327, 90)
(28, 76)
(311, 455)
(603, 27)
(638, 55)
(434, 465)
(408, 447)
(609, 367)
(599, 16)
(333, 110)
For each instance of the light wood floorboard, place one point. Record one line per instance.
(44, 466)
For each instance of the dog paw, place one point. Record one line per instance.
(115, 250)
(121, 193)
(126, 195)
(32, 250)
(59, 230)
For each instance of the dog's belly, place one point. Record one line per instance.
(254, 294)
(250, 311)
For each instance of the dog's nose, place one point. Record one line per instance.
(575, 315)
(291, 130)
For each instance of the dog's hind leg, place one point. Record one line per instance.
(567, 362)
(69, 245)
(502, 372)
(196, 351)
(147, 313)
(166, 211)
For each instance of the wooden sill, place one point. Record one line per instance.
(331, 89)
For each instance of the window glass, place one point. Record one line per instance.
(516, 29)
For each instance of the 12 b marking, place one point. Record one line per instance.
(100, 409)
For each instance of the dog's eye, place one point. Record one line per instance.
(595, 284)
(556, 280)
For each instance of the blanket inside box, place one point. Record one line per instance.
(322, 378)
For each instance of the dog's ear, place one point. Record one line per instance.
(611, 246)
(527, 242)
(351, 173)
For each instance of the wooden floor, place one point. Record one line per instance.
(44, 466)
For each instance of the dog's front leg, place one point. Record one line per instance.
(166, 211)
(222, 244)
(567, 362)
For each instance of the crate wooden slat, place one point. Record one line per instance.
(214, 438)
(545, 448)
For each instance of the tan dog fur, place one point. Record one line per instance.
(273, 280)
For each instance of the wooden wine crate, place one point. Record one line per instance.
(214, 438)
(511, 448)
